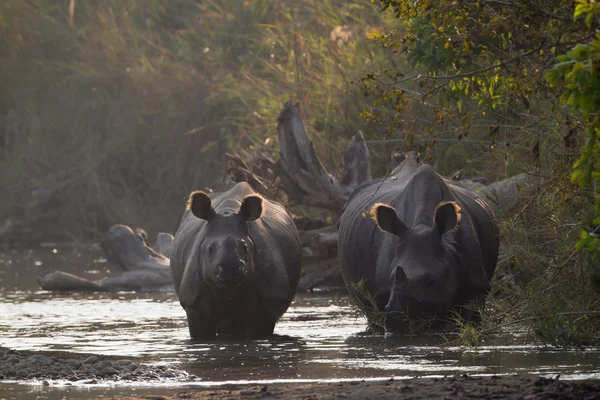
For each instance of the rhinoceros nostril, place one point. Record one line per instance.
(230, 276)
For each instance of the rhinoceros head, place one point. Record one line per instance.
(424, 275)
(226, 251)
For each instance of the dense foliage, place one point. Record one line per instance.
(483, 72)
(577, 75)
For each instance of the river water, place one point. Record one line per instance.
(321, 337)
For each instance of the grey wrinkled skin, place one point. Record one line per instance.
(415, 255)
(236, 268)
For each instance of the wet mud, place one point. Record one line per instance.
(460, 387)
(93, 369)
(78, 367)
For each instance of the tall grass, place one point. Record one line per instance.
(112, 111)
(554, 290)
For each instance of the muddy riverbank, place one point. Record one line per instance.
(39, 367)
(459, 387)
(79, 367)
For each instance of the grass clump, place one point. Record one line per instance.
(543, 286)
(555, 293)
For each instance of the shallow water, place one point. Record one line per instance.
(321, 337)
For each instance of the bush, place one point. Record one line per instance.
(481, 70)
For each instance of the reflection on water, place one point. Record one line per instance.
(20, 268)
(320, 337)
(117, 324)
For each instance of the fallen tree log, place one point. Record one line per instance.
(302, 174)
(319, 242)
(299, 178)
(137, 266)
(320, 272)
(164, 244)
(299, 173)
(505, 195)
(303, 179)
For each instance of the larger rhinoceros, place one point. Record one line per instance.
(236, 263)
(416, 245)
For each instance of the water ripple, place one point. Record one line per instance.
(320, 337)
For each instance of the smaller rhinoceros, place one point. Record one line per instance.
(236, 263)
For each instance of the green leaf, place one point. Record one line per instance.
(578, 11)
(577, 177)
(589, 19)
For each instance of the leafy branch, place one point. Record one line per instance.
(577, 74)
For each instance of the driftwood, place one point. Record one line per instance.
(503, 196)
(138, 266)
(319, 241)
(320, 272)
(304, 180)
(299, 173)
(302, 174)
(356, 163)
(299, 177)
(164, 244)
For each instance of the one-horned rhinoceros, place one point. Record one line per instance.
(236, 263)
(417, 246)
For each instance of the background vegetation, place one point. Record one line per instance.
(498, 68)
(113, 111)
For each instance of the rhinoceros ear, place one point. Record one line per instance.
(252, 207)
(201, 205)
(447, 215)
(387, 220)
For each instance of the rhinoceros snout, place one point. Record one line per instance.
(230, 276)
